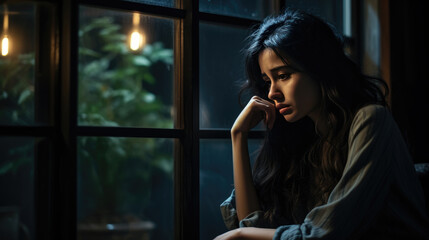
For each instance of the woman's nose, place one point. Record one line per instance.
(275, 93)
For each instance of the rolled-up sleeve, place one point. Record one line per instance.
(361, 192)
(229, 215)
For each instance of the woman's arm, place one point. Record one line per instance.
(248, 233)
(246, 198)
(245, 193)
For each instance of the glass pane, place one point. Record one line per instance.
(216, 182)
(17, 62)
(164, 3)
(253, 9)
(371, 39)
(329, 10)
(221, 74)
(125, 188)
(125, 69)
(17, 188)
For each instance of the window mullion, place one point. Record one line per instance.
(65, 192)
(187, 164)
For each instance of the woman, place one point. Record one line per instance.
(333, 164)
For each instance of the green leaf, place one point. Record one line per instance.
(148, 49)
(4, 95)
(88, 52)
(24, 95)
(6, 168)
(109, 30)
(147, 77)
(142, 61)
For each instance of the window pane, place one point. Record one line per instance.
(125, 188)
(119, 86)
(221, 74)
(216, 182)
(329, 10)
(17, 188)
(164, 3)
(253, 9)
(17, 62)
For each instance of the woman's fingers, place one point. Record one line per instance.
(269, 111)
(271, 116)
(257, 109)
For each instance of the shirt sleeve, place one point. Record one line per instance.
(229, 215)
(361, 192)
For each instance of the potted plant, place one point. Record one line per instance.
(116, 175)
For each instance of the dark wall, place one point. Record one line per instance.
(409, 74)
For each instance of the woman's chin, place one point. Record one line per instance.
(292, 117)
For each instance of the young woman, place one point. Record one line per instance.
(333, 164)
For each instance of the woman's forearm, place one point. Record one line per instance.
(248, 233)
(258, 233)
(245, 193)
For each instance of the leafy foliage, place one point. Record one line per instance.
(16, 105)
(118, 174)
(17, 89)
(112, 79)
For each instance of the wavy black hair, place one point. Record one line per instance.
(297, 167)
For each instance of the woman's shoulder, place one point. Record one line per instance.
(373, 109)
(373, 112)
(372, 117)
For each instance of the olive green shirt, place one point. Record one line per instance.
(378, 196)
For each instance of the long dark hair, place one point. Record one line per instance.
(297, 167)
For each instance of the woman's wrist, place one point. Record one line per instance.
(237, 134)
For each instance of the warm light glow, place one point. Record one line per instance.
(136, 19)
(4, 46)
(5, 39)
(137, 38)
(136, 41)
(5, 19)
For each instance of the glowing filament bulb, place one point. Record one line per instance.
(4, 46)
(136, 41)
(5, 40)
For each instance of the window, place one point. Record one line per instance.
(115, 120)
(27, 69)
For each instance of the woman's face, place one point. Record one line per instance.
(294, 93)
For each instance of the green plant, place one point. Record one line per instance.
(117, 174)
(17, 89)
(16, 105)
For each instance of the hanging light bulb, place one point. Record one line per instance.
(4, 45)
(137, 39)
(5, 39)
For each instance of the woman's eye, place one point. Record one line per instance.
(284, 76)
(267, 82)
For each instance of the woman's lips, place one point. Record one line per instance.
(284, 109)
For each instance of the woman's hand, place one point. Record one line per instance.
(257, 109)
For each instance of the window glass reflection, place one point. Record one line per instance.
(164, 3)
(125, 69)
(17, 64)
(329, 10)
(17, 188)
(221, 74)
(216, 182)
(125, 188)
(252, 9)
